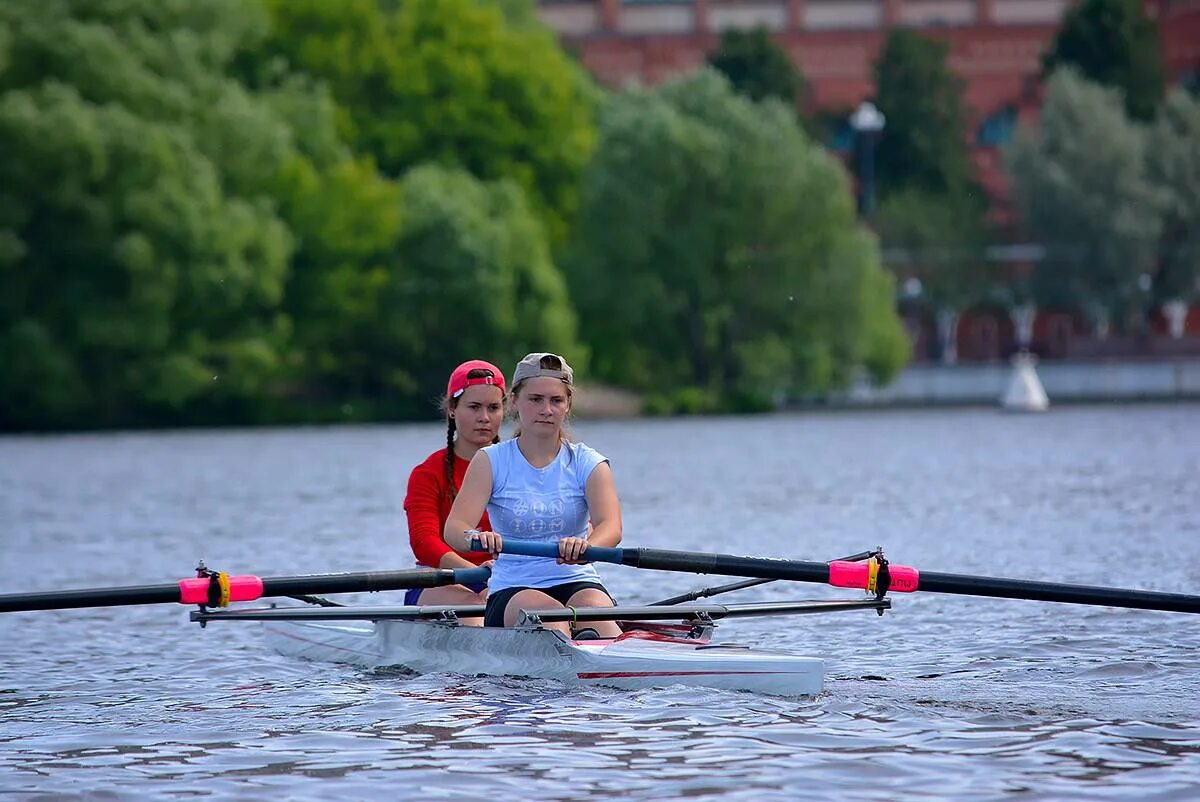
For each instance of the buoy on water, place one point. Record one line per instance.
(1025, 392)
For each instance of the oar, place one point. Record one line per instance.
(705, 593)
(846, 574)
(218, 590)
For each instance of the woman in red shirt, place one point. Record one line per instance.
(474, 407)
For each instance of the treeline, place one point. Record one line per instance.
(1114, 201)
(243, 211)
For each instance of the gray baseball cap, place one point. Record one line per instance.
(531, 367)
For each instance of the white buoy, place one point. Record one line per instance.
(1025, 392)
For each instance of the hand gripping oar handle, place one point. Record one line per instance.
(549, 548)
(219, 590)
(857, 575)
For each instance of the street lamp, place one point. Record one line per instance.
(867, 121)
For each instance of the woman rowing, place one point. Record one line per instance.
(474, 410)
(540, 485)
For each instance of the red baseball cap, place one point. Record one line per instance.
(459, 382)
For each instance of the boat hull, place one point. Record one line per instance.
(635, 660)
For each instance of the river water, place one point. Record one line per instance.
(945, 697)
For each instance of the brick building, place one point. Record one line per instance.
(995, 45)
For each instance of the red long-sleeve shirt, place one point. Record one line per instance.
(428, 506)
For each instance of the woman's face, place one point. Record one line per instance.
(542, 405)
(479, 413)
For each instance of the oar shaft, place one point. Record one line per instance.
(910, 580)
(89, 597)
(850, 574)
(244, 588)
(996, 587)
(683, 561)
(722, 564)
(372, 581)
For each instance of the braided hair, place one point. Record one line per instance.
(448, 405)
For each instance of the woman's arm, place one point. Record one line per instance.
(453, 559)
(423, 508)
(605, 511)
(603, 507)
(469, 507)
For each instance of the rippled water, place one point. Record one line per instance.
(943, 698)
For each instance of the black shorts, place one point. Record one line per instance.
(498, 601)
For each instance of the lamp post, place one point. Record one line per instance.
(867, 121)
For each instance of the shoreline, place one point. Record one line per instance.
(919, 387)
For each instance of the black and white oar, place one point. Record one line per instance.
(213, 589)
(872, 575)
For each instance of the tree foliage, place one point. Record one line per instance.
(476, 278)
(140, 249)
(1114, 43)
(756, 66)
(718, 249)
(924, 144)
(1174, 165)
(939, 242)
(1081, 184)
(347, 220)
(462, 83)
(251, 210)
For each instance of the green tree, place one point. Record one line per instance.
(475, 276)
(1174, 166)
(717, 249)
(924, 145)
(940, 243)
(347, 220)
(1080, 183)
(756, 66)
(1114, 43)
(462, 83)
(141, 253)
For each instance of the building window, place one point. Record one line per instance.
(998, 128)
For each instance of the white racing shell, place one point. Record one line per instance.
(638, 659)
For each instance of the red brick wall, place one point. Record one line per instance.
(1000, 62)
(1179, 30)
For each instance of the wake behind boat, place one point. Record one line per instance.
(647, 654)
